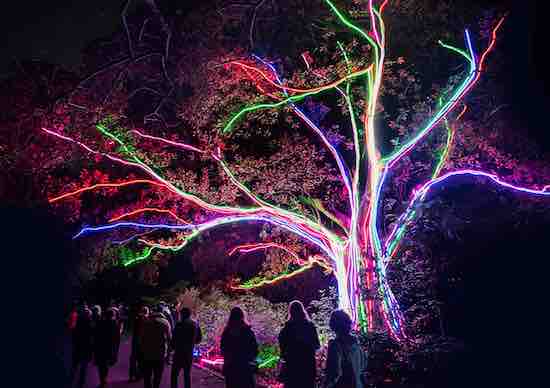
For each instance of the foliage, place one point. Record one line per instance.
(172, 79)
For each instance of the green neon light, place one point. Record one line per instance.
(291, 99)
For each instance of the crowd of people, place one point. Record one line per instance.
(164, 335)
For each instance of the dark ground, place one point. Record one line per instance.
(118, 376)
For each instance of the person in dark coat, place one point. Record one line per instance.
(346, 360)
(82, 346)
(239, 349)
(187, 334)
(106, 345)
(155, 340)
(298, 341)
(136, 354)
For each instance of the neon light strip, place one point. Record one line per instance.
(105, 185)
(492, 44)
(91, 229)
(344, 172)
(104, 131)
(296, 98)
(353, 27)
(216, 361)
(146, 253)
(211, 224)
(194, 199)
(314, 228)
(462, 112)
(451, 103)
(176, 144)
(383, 6)
(268, 361)
(282, 277)
(247, 248)
(113, 158)
(275, 211)
(297, 228)
(122, 242)
(306, 61)
(420, 194)
(148, 209)
(373, 24)
(400, 227)
(297, 90)
(446, 150)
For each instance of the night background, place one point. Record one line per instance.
(471, 274)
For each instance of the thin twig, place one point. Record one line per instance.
(126, 28)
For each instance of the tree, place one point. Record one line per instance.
(342, 213)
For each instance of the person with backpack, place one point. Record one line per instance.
(155, 339)
(298, 341)
(239, 349)
(346, 360)
(187, 334)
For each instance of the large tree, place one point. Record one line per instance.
(189, 133)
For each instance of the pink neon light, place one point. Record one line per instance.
(149, 209)
(423, 190)
(182, 145)
(215, 361)
(113, 158)
(373, 23)
(305, 60)
(247, 248)
(383, 6)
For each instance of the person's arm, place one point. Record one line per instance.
(333, 370)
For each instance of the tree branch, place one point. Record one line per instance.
(419, 195)
(126, 28)
(253, 24)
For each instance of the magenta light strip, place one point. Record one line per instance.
(176, 144)
(421, 192)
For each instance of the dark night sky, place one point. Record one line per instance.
(56, 31)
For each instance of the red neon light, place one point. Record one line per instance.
(266, 77)
(101, 185)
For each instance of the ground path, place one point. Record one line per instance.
(118, 375)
